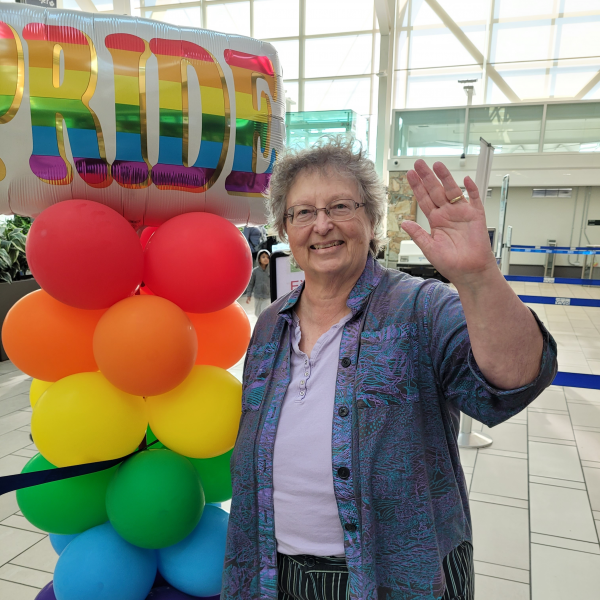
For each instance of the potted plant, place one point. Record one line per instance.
(16, 280)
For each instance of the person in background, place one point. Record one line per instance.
(260, 283)
(255, 237)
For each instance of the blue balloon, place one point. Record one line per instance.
(195, 565)
(61, 541)
(100, 565)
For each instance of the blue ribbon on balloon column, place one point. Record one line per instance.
(11, 483)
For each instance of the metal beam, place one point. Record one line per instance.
(473, 50)
(384, 17)
(589, 86)
(386, 80)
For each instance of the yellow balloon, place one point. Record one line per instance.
(84, 418)
(201, 416)
(38, 387)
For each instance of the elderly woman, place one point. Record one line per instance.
(347, 480)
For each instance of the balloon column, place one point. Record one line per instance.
(115, 370)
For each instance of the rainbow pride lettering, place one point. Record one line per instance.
(54, 102)
(173, 171)
(12, 77)
(131, 168)
(252, 122)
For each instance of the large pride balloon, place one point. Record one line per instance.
(150, 119)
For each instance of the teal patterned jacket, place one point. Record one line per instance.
(404, 506)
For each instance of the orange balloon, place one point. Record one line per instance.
(223, 336)
(49, 340)
(145, 345)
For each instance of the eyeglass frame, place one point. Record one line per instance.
(316, 210)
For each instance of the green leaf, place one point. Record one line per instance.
(4, 276)
(5, 259)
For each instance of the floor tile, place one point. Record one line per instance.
(588, 443)
(585, 414)
(16, 591)
(14, 421)
(501, 534)
(555, 461)
(8, 505)
(592, 479)
(10, 405)
(467, 456)
(550, 426)
(508, 436)
(559, 574)
(550, 399)
(12, 465)
(582, 395)
(41, 557)
(19, 522)
(561, 512)
(500, 572)
(15, 541)
(492, 588)
(500, 476)
(30, 577)
(574, 485)
(561, 542)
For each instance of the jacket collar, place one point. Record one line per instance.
(357, 300)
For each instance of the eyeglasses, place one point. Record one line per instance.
(338, 210)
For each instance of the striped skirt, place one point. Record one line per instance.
(326, 578)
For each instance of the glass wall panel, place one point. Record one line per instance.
(572, 127)
(511, 9)
(182, 17)
(288, 51)
(508, 128)
(340, 55)
(429, 132)
(291, 95)
(440, 47)
(337, 16)
(338, 94)
(439, 88)
(276, 18)
(229, 18)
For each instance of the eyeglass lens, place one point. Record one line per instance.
(338, 210)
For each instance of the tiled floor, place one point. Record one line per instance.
(535, 493)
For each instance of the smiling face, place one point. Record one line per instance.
(326, 247)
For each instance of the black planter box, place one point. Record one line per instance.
(10, 294)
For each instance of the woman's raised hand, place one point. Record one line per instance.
(459, 244)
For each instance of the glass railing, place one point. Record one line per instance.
(510, 128)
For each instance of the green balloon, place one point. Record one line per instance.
(68, 506)
(155, 499)
(215, 476)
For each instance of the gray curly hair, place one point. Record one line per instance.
(339, 155)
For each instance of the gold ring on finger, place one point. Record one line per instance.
(461, 197)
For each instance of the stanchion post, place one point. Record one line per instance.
(466, 437)
(471, 439)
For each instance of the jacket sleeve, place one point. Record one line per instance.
(251, 283)
(458, 374)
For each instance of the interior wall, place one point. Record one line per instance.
(536, 220)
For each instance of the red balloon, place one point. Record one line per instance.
(85, 254)
(198, 261)
(146, 235)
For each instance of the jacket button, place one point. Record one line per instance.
(343, 472)
(343, 412)
(351, 527)
(346, 362)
